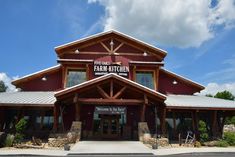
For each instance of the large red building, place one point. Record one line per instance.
(111, 82)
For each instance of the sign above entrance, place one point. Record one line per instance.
(110, 110)
(102, 68)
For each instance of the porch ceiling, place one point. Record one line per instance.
(87, 88)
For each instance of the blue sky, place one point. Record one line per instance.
(198, 36)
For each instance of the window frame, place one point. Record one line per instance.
(75, 69)
(143, 71)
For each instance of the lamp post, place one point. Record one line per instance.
(155, 144)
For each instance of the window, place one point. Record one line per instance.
(145, 78)
(75, 77)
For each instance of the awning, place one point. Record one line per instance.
(37, 99)
(198, 102)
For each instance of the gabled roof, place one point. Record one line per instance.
(186, 80)
(198, 102)
(36, 74)
(108, 76)
(152, 48)
(33, 99)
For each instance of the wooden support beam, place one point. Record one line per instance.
(214, 128)
(119, 46)
(111, 88)
(143, 110)
(56, 117)
(110, 101)
(119, 92)
(77, 111)
(163, 121)
(174, 123)
(106, 48)
(145, 99)
(157, 78)
(102, 92)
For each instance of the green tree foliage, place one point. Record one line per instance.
(225, 95)
(228, 96)
(230, 138)
(3, 87)
(20, 128)
(209, 95)
(203, 131)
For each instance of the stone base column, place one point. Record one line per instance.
(74, 135)
(142, 130)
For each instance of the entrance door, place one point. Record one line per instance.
(110, 126)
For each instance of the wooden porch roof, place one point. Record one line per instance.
(125, 81)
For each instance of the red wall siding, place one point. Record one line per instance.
(53, 83)
(166, 85)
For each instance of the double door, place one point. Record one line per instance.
(110, 128)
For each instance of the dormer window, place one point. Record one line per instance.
(146, 78)
(75, 76)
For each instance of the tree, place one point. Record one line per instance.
(225, 95)
(3, 87)
(209, 95)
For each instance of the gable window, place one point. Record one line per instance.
(75, 76)
(145, 78)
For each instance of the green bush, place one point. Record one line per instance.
(21, 125)
(18, 138)
(203, 131)
(222, 143)
(230, 138)
(9, 140)
(20, 128)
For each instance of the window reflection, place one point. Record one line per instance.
(146, 79)
(75, 77)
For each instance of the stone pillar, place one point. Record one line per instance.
(142, 129)
(74, 135)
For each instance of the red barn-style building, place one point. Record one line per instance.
(111, 83)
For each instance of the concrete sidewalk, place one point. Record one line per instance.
(41, 152)
(120, 147)
(183, 150)
(110, 147)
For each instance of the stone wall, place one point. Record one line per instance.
(229, 128)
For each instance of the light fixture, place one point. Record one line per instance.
(44, 78)
(76, 51)
(111, 43)
(145, 53)
(175, 82)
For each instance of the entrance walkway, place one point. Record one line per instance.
(110, 147)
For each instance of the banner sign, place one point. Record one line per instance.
(110, 110)
(102, 68)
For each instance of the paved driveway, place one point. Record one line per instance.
(110, 147)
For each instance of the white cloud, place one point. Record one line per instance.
(7, 80)
(170, 22)
(213, 88)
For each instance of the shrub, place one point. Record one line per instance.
(197, 144)
(18, 138)
(222, 143)
(203, 131)
(230, 138)
(9, 140)
(20, 128)
(21, 125)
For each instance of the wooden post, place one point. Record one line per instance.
(157, 78)
(142, 118)
(56, 117)
(214, 124)
(163, 121)
(174, 123)
(77, 111)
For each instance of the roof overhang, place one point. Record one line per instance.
(36, 74)
(198, 102)
(29, 99)
(152, 49)
(97, 80)
(184, 79)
